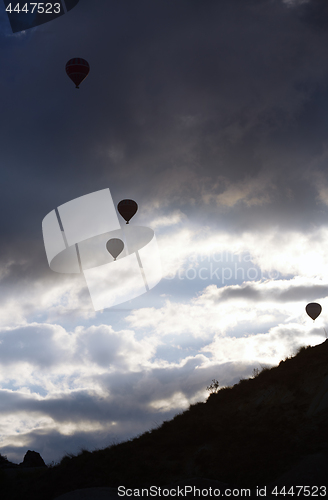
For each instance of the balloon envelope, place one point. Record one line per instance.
(313, 309)
(127, 209)
(115, 247)
(77, 69)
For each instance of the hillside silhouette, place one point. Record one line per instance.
(269, 429)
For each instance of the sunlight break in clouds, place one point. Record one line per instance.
(267, 348)
(289, 252)
(251, 191)
(231, 309)
(169, 220)
(181, 248)
(53, 297)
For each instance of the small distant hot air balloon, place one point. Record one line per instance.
(313, 309)
(115, 247)
(127, 209)
(77, 69)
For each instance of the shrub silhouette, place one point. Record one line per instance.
(213, 387)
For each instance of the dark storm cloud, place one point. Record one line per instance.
(123, 394)
(179, 95)
(314, 13)
(158, 383)
(123, 410)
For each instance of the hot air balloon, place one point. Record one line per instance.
(115, 247)
(127, 209)
(313, 309)
(77, 69)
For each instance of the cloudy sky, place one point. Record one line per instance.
(213, 116)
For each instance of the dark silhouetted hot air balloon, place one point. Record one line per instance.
(127, 209)
(77, 69)
(313, 309)
(115, 247)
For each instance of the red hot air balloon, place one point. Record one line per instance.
(77, 69)
(127, 209)
(313, 309)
